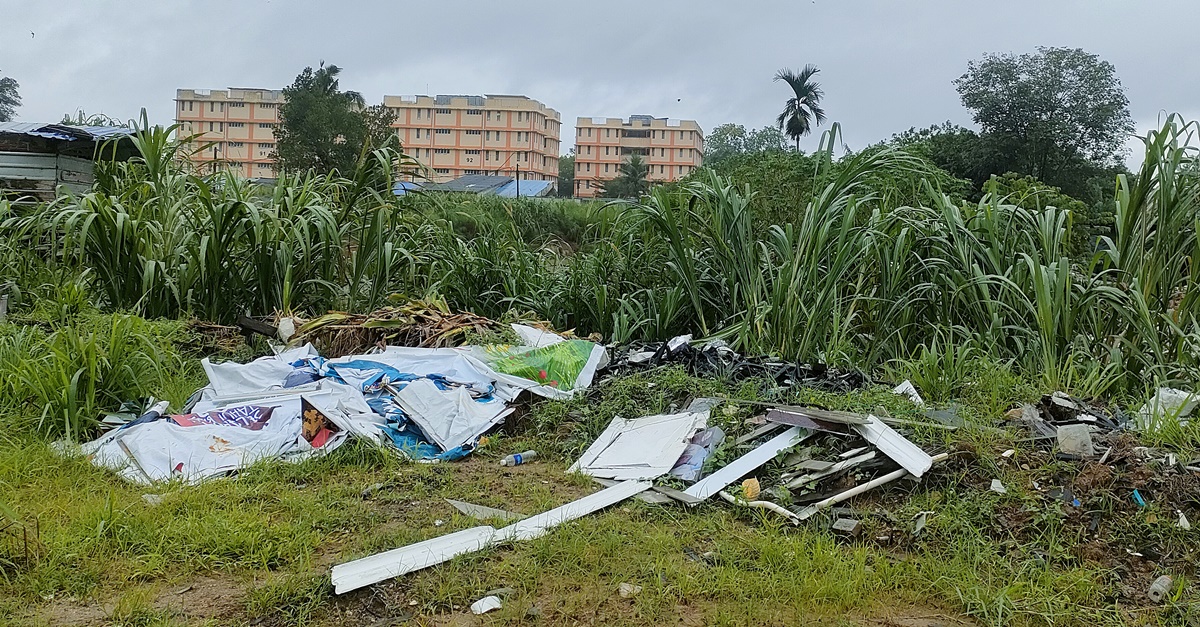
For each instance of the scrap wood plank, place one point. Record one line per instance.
(739, 467)
(802, 418)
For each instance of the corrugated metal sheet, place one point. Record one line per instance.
(528, 189)
(64, 132)
(473, 183)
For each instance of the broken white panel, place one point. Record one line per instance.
(449, 418)
(743, 465)
(644, 448)
(382, 566)
(908, 389)
(483, 512)
(541, 524)
(1167, 403)
(534, 337)
(903, 452)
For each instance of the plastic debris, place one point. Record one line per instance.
(1167, 403)
(518, 458)
(1159, 589)
(628, 590)
(1076, 440)
(908, 389)
(751, 489)
(486, 604)
(998, 487)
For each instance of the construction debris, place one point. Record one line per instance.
(482, 512)
(425, 324)
(485, 605)
(716, 359)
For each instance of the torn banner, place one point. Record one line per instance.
(428, 403)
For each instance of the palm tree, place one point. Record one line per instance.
(631, 179)
(803, 111)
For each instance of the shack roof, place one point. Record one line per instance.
(64, 132)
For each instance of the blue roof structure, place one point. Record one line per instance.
(403, 187)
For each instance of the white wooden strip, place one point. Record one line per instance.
(376, 568)
(539, 525)
(717, 481)
(886, 439)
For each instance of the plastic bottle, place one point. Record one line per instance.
(518, 459)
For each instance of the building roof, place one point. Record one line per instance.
(473, 183)
(528, 189)
(64, 132)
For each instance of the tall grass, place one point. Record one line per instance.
(852, 277)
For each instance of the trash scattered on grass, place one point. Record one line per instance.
(628, 590)
(517, 459)
(426, 403)
(1159, 589)
(485, 605)
(482, 512)
(998, 487)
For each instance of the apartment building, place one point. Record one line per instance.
(455, 136)
(236, 128)
(671, 148)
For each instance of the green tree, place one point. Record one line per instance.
(323, 128)
(1059, 115)
(631, 180)
(766, 138)
(960, 151)
(802, 112)
(9, 98)
(566, 175)
(379, 120)
(724, 142)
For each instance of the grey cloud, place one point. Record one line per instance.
(887, 65)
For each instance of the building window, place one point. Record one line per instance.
(237, 105)
(418, 133)
(442, 170)
(680, 152)
(474, 112)
(473, 132)
(472, 171)
(608, 132)
(497, 154)
(660, 169)
(266, 145)
(443, 111)
(265, 125)
(236, 144)
(589, 132)
(606, 168)
(236, 124)
(589, 167)
(443, 131)
(442, 151)
(212, 106)
(472, 152)
(267, 105)
(264, 165)
(606, 150)
(211, 126)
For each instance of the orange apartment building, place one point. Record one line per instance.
(454, 136)
(236, 128)
(671, 148)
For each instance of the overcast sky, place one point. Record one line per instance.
(886, 65)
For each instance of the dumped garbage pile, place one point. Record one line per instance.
(427, 324)
(427, 403)
(715, 359)
(830, 457)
